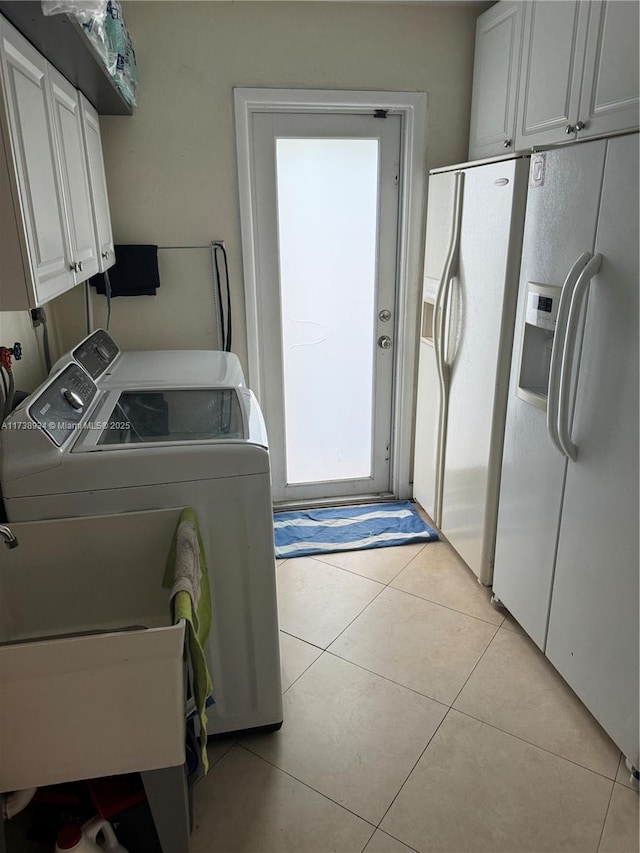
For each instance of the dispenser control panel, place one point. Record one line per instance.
(542, 305)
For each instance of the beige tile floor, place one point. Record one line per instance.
(417, 717)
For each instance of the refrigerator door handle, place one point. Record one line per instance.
(557, 351)
(441, 308)
(571, 336)
(440, 322)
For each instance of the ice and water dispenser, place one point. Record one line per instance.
(537, 343)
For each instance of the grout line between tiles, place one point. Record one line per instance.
(365, 608)
(438, 728)
(315, 645)
(385, 678)
(446, 607)
(464, 713)
(368, 841)
(606, 815)
(358, 574)
(399, 840)
(530, 743)
(475, 666)
(410, 772)
(306, 785)
(228, 744)
(497, 728)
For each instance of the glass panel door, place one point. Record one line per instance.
(326, 235)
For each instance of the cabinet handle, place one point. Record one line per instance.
(74, 267)
(105, 255)
(80, 266)
(506, 143)
(580, 125)
(570, 128)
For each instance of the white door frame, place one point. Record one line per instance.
(412, 107)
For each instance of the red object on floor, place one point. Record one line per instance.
(113, 794)
(69, 836)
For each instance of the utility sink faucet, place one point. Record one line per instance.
(10, 539)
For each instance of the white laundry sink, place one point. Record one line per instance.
(91, 667)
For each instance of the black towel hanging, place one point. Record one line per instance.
(135, 272)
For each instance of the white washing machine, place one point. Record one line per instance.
(72, 449)
(110, 367)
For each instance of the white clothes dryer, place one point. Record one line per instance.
(72, 449)
(110, 367)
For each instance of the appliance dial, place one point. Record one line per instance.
(73, 398)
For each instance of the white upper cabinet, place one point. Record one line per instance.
(75, 177)
(610, 91)
(495, 80)
(28, 161)
(97, 184)
(555, 34)
(552, 71)
(55, 229)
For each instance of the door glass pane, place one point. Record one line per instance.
(327, 224)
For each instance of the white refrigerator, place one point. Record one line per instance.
(566, 562)
(472, 255)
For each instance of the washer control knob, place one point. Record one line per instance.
(102, 351)
(73, 398)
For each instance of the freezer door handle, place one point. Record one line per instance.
(571, 337)
(440, 323)
(441, 308)
(557, 351)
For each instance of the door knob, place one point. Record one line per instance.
(385, 342)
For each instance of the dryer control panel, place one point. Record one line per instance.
(60, 408)
(96, 353)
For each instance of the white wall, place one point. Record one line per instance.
(171, 168)
(16, 326)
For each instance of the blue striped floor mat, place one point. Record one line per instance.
(348, 528)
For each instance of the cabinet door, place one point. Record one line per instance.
(610, 90)
(495, 80)
(97, 184)
(75, 179)
(39, 201)
(551, 71)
